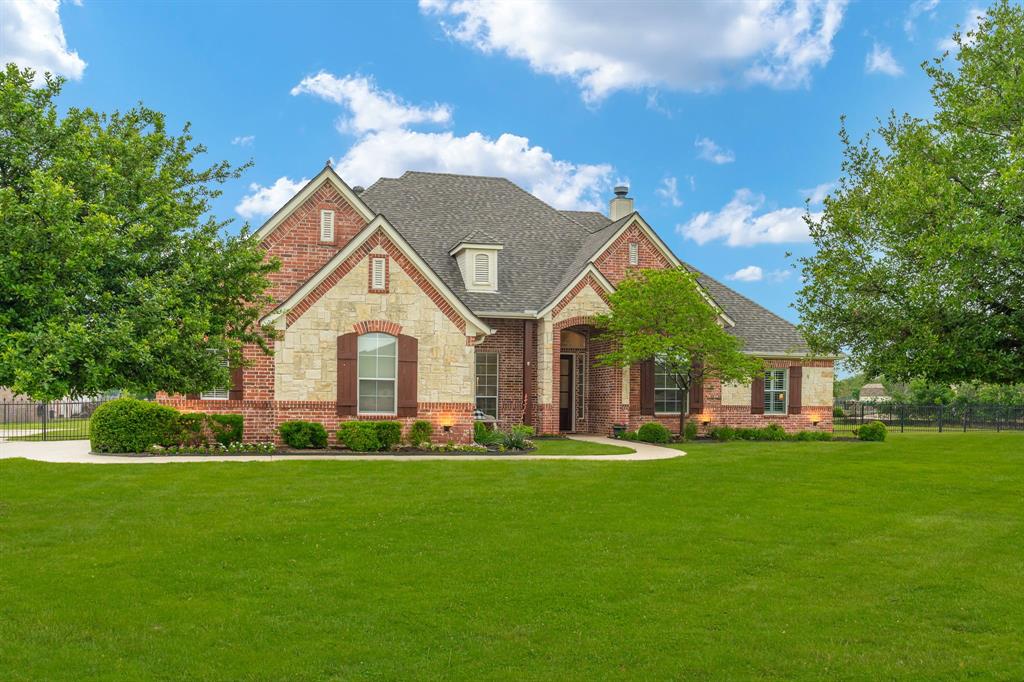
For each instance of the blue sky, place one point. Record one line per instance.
(722, 118)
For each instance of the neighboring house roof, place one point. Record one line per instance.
(873, 391)
(543, 249)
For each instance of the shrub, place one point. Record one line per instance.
(871, 431)
(130, 425)
(301, 434)
(191, 429)
(629, 435)
(838, 411)
(723, 433)
(486, 436)
(526, 431)
(690, 430)
(773, 432)
(517, 438)
(811, 435)
(420, 432)
(389, 434)
(359, 436)
(227, 428)
(653, 432)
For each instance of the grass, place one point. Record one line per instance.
(63, 429)
(568, 446)
(895, 560)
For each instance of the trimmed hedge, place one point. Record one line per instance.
(874, 431)
(359, 436)
(770, 432)
(190, 429)
(653, 432)
(420, 432)
(226, 428)
(130, 425)
(302, 434)
(389, 434)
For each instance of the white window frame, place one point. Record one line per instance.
(326, 225)
(218, 393)
(771, 383)
(634, 253)
(483, 259)
(360, 378)
(684, 399)
(497, 382)
(378, 266)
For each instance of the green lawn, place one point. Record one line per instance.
(902, 559)
(568, 446)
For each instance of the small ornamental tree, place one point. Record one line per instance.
(114, 273)
(664, 314)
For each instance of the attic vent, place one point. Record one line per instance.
(482, 269)
(634, 253)
(326, 226)
(377, 275)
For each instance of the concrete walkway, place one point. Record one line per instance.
(77, 451)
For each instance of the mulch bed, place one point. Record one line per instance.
(286, 452)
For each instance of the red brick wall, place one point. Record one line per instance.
(296, 240)
(614, 262)
(507, 342)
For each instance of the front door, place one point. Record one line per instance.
(565, 393)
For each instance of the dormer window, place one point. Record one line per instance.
(326, 226)
(477, 256)
(482, 269)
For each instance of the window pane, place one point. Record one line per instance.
(487, 383)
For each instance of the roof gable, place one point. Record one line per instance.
(310, 188)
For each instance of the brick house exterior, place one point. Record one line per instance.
(432, 295)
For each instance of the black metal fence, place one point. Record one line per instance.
(903, 417)
(22, 420)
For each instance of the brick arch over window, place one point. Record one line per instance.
(383, 326)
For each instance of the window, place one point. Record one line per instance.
(378, 367)
(487, 383)
(667, 396)
(217, 393)
(327, 226)
(775, 391)
(482, 269)
(634, 253)
(377, 271)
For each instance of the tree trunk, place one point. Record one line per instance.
(682, 423)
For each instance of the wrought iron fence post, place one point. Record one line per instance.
(903, 416)
(46, 415)
(940, 418)
(967, 410)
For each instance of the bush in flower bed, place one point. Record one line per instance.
(653, 432)
(302, 434)
(359, 436)
(130, 425)
(420, 432)
(233, 448)
(772, 432)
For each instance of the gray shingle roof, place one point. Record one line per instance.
(544, 248)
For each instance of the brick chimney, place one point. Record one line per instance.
(621, 206)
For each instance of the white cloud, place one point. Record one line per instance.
(669, 192)
(244, 140)
(692, 46)
(262, 201)
(968, 25)
(916, 9)
(709, 150)
(386, 146)
(32, 36)
(389, 153)
(880, 60)
(751, 273)
(816, 195)
(371, 108)
(779, 275)
(739, 224)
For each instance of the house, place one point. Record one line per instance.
(874, 393)
(432, 296)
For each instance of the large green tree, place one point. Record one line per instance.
(664, 314)
(919, 270)
(113, 273)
